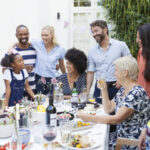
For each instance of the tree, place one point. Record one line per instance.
(127, 15)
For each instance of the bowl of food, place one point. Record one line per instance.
(6, 126)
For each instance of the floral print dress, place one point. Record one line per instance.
(137, 100)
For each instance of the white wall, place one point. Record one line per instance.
(35, 14)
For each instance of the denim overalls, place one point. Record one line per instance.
(17, 89)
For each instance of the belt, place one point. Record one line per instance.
(110, 84)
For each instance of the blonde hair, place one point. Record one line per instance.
(128, 63)
(51, 30)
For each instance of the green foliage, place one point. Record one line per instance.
(127, 15)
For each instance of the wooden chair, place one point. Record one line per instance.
(125, 141)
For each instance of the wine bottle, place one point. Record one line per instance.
(74, 96)
(51, 117)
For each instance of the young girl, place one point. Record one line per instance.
(15, 78)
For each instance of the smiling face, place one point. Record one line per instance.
(22, 35)
(18, 62)
(138, 40)
(70, 67)
(99, 33)
(47, 36)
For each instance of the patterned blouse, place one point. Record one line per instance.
(137, 100)
(80, 83)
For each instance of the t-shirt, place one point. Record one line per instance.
(7, 75)
(29, 57)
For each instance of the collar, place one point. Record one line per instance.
(110, 43)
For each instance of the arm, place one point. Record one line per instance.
(90, 78)
(142, 139)
(122, 114)
(28, 89)
(109, 106)
(8, 91)
(62, 66)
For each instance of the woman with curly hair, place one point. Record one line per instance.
(143, 40)
(76, 64)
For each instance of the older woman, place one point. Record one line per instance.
(76, 64)
(131, 103)
(49, 53)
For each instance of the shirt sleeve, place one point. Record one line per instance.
(62, 53)
(7, 75)
(26, 75)
(136, 100)
(91, 64)
(125, 50)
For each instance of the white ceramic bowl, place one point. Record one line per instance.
(6, 130)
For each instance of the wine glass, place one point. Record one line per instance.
(100, 82)
(49, 134)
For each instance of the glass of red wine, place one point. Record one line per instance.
(49, 134)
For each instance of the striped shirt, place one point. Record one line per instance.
(80, 83)
(29, 57)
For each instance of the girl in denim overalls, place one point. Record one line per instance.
(15, 79)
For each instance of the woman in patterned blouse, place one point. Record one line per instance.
(131, 104)
(76, 64)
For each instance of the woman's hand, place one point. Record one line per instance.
(83, 116)
(142, 140)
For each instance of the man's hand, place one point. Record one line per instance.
(142, 140)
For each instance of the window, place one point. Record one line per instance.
(82, 3)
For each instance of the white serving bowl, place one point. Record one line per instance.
(6, 130)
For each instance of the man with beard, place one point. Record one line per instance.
(28, 53)
(101, 58)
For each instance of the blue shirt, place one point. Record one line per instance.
(46, 62)
(102, 61)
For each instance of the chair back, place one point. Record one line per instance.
(125, 141)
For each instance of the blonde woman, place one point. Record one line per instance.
(49, 53)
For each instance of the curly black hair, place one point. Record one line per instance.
(8, 59)
(78, 59)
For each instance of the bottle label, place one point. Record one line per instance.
(74, 99)
(51, 119)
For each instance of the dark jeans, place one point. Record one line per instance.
(112, 90)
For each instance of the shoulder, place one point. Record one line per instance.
(7, 75)
(63, 76)
(94, 48)
(83, 75)
(35, 42)
(25, 73)
(60, 48)
(121, 43)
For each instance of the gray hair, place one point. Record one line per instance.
(128, 63)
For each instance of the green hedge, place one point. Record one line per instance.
(127, 15)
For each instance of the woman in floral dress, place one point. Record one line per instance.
(131, 104)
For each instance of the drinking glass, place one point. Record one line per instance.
(83, 96)
(100, 81)
(58, 98)
(49, 134)
(66, 133)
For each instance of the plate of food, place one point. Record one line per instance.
(82, 141)
(80, 125)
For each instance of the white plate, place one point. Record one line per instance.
(83, 127)
(96, 144)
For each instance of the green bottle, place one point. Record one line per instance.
(74, 96)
